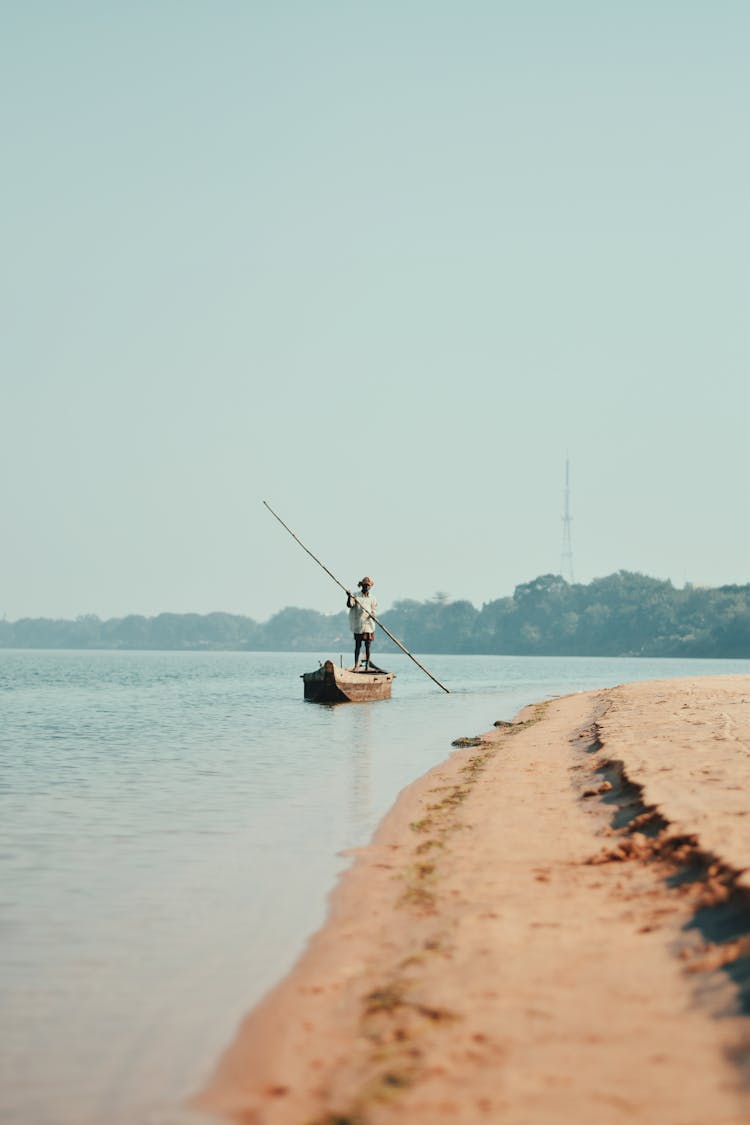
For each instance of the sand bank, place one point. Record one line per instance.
(550, 927)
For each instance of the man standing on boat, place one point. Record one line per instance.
(361, 606)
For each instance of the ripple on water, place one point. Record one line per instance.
(170, 825)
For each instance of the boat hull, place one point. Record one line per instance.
(333, 684)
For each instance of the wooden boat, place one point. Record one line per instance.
(333, 684)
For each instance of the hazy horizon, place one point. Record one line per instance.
(385, 267)
(382, 606)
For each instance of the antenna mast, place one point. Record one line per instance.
(566, 556)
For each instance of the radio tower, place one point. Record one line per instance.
(566, 555)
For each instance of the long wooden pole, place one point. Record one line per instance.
(343, 587)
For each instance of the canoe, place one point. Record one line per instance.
(333, 684)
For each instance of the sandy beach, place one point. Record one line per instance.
(553, 926)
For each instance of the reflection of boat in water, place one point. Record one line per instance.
(333, 684)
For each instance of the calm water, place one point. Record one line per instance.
(170, 826)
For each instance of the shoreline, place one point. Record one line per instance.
(550, 926)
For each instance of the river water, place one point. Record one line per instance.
(170, 827)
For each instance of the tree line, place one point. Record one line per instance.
(623, 614)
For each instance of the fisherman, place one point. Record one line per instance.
(362, 609)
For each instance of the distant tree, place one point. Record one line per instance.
(620, 614)
(731, 638)
(85, 632)
(132, 631)
(438, 625)
(305, 630)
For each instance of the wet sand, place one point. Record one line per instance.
(553, 926)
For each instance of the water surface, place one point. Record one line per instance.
(170, 827)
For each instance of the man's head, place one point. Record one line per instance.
(365, 584)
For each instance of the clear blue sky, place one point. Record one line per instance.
(381, 264)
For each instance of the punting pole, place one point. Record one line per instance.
(343, 587)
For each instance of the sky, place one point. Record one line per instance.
(386, 266)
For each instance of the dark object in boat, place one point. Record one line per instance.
(333, 684)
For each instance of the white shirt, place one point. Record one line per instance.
(359, 615)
